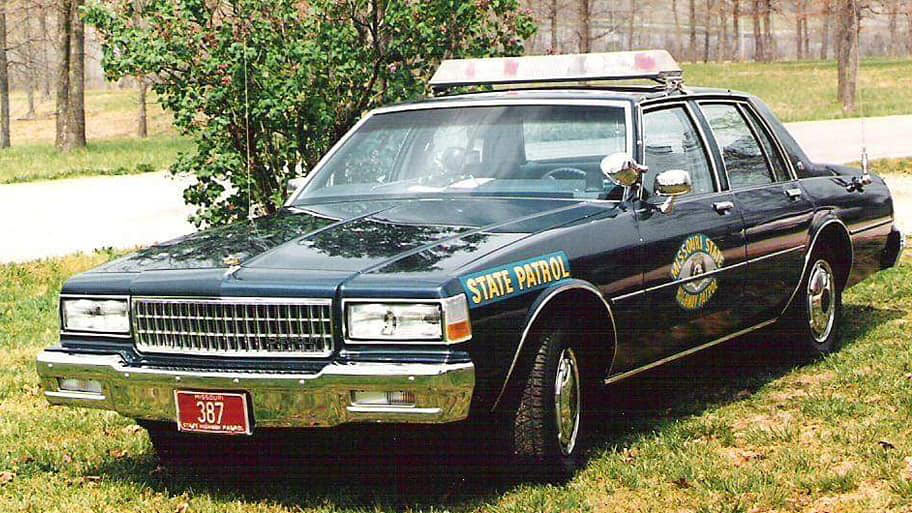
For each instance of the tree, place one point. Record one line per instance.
(736, 29)
(264, 87)
(710, 4)
(825, 31)
(4, 80)
(692, 19)
(848, 18)
(585, 26)
(70, 128)
(759, 46)
(553, 13)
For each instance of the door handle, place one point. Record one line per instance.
(793, 193)
(723, 207)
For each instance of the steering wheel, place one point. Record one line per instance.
(565, 173)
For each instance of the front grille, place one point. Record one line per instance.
(233, 326)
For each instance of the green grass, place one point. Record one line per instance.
(32, 162)
(890, 166)
(806, 90)
(735, 429)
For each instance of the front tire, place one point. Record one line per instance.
(546, 422)
(814, 317)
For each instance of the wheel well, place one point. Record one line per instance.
(587, 317)
(835, 239)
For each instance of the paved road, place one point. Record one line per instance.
(59, 217)
(54, 218)
(840, 140)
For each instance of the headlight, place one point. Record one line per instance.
(445, 321)
(96, 315)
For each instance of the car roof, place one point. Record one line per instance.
(632, 94)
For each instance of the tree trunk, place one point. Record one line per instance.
(807, 35)
(759, 52)
(552, 15)
(677, 19)
(799, 46)
(693, 30)
(31, 62)
(893, 28)
(825, 31)
(768, 46)
(585, 28)
(736, 29)
(707, 25)
(46, 59)
(722, 34)
(631, 24)
(64, 27)
(847, 53)
(142, 125)
(4, 81)
(75, 125)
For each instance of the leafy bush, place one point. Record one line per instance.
(271, 84)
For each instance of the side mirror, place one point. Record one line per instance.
(293, 185)
(622, 170)
(671, 184)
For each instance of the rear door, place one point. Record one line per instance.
(774, 208)
(694, 254)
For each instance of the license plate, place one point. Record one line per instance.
(221, 413)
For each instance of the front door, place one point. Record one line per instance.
(694, 254)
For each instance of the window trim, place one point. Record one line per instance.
(744, 108)
(778, 147)
(690, 113)
(628, 106)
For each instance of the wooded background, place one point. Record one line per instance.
(47, 51)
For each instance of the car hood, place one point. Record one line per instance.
(353, 236)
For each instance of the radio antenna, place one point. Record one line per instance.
(250, 188)
(865, 163)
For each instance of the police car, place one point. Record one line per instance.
(493, 257)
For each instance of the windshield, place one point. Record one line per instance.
(541, 150)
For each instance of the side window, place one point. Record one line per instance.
(672, 142)
(744, 160)
(775, 159)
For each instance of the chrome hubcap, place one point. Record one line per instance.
(567, 400)
(821, 300)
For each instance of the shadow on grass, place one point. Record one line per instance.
(456, 467)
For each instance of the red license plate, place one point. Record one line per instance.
(212, 412)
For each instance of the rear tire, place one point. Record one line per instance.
(546, 422)
(813, 318)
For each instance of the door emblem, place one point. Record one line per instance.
(697, 256)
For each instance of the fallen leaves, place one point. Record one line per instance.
(886, 444)
(118, 454)
(6, 477)
(740, 457)
(132, 429)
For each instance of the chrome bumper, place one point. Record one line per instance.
(443, 392)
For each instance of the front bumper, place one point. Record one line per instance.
(443, 392)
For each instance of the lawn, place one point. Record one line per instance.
(806, 90)
(119, 156)
(110, 130)
(735, 429)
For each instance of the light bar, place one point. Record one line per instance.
(656, 65)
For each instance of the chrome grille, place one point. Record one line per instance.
(233, 326)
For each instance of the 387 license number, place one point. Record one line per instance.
(224, 413)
